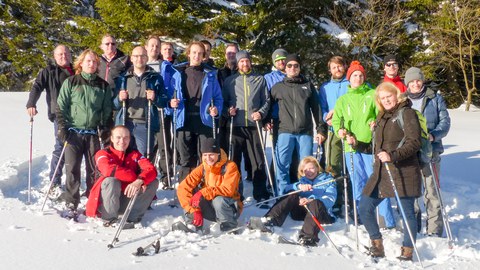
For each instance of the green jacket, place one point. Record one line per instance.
(85, 102)
(357, 107)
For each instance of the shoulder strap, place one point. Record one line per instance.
(399, 119)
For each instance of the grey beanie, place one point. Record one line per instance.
(279, 54)
(242, 54)
(413, 73)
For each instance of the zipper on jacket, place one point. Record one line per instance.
(245, 89)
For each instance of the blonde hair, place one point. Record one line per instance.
(390, 88)
(304, 162)
(78, 62)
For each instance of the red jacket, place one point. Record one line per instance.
(125, 166)
(397, 81)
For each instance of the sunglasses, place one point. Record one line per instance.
(391, 64)
(110, 43)
(293, 65)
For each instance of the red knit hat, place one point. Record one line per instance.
(354, 66)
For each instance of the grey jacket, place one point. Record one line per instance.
(248, 93)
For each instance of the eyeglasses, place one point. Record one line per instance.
(391, 64)
(293, 65)
(110, 43)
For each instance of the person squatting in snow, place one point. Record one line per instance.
(210, 191)
(123, 173)
(318, 198)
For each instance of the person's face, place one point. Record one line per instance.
(415, 86)
(310, 170)
(391, 69)
(231, 53)
(62, 56)
(244, 65)
(388, 100)
(120, 139)
(108, 46)
(153, 48)
(280, 65)
(356, 79)
(139, 58)
(293, 69)
(210, 158)
(89, 64)
(208, 49)
(196, 55)
(167, 51)
(337, 70)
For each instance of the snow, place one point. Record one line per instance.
(36, 240)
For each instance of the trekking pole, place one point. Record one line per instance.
(327, 149)
(344, 174)
(54, 173)
(296, 191)
(317, 153)
(354, 193)
(322, 229)
(265, 158)
(124, 112)
(230, 143)
(149, 127)
(214, 126)
(173, 202)
(30, 162)
(123, 220)
(448, 231)
(165, 147)
(273, 155)
(402, 211)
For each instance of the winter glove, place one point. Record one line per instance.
(195, 200)
(63, 134)
(197, 218)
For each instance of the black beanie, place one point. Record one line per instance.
(390, 57)
(209, 146)
(293, 57)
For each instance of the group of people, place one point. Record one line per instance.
(134, 117)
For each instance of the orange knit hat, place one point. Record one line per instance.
(354, 66)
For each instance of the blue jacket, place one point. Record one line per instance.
(172, 80)
(273, 78)
(325, 193)
(149, 80)
(329, 92)
(435, 111)
(210, 90)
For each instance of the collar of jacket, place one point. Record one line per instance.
(296, 80)
(343, 79)
(245, 73)
(359, 90)
(88, 76)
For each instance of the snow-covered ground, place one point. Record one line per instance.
(35, 240)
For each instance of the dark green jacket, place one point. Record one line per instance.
(84, 102)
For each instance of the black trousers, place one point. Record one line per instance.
(163, 150)
(79, 145)
(289, 205)
(247, 139)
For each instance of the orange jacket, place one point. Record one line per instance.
(215, 184)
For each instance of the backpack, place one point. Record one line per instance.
(425, 152)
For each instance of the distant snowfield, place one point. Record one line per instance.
(35, 240)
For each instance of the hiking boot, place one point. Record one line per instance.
(407, 254)
(307, 241)
(263, 224)
(377, 250)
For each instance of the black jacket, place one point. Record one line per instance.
(297, 101)
(51, 79)
(116, 67)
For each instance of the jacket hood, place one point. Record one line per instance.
(217, 167)
(359, 90)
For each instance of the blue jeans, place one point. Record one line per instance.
(138, 139)
(57, 150)
(367, 214)
(362, 169)
(286, 143)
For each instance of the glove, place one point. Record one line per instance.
(195, 200)
(63, 134)
(197, 218)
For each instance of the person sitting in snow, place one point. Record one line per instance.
(318, 197)
(123, 173)
(210, 191)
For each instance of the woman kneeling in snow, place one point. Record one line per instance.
(318, 197)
